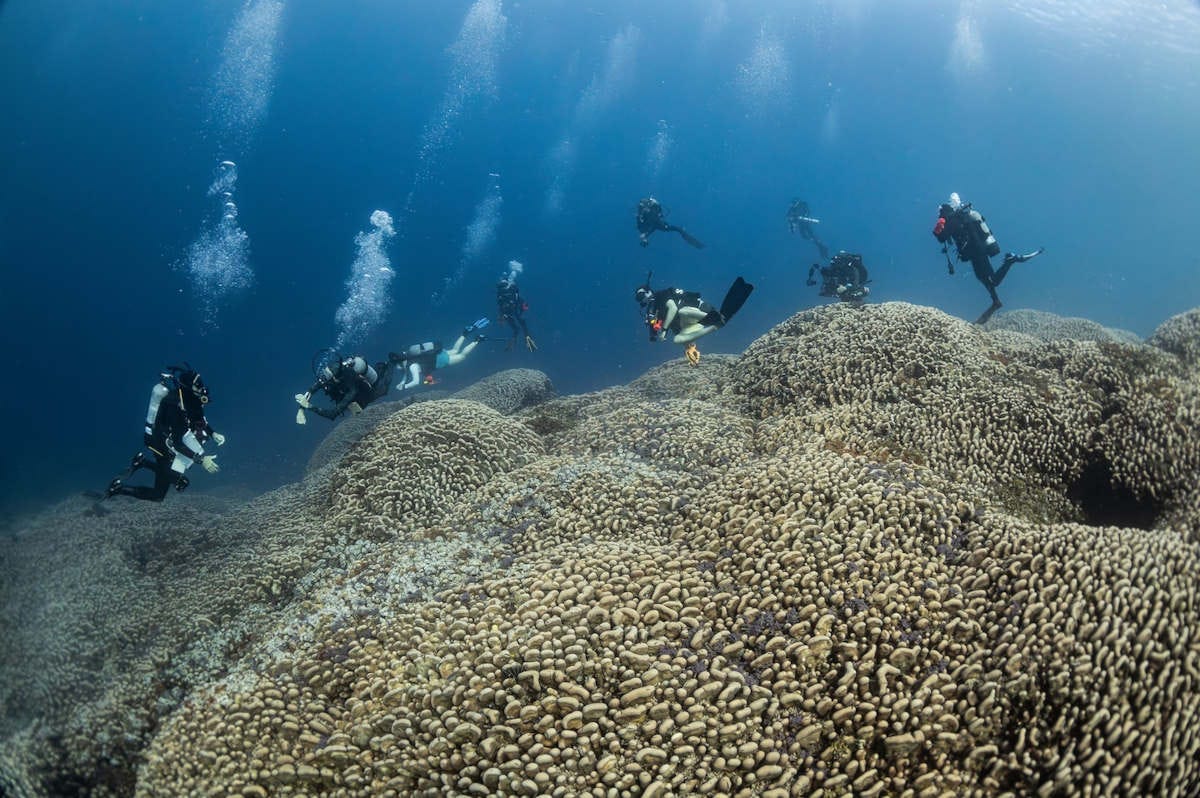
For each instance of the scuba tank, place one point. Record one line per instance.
(363, 369)
(416, 350)
(157, 394)
(990, 245)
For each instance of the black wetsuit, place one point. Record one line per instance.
(651, 218)
(975, 244)
(512, 309)
(797, 219)
(348, 388)
(169, 435)
(845, 271)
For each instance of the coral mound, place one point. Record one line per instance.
(881, 553)
(1180, 335)
(1050, 327)
(421, 460)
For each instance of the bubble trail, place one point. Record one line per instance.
(367, 298)
(245, 78)
(480, 234)
(474, 56)
(218, 261)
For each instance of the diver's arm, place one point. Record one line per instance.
(188, 444)
(414, 378)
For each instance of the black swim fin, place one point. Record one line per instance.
(735, 297)
(1013, 257)
(691, 239)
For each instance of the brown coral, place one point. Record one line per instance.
(871, 557)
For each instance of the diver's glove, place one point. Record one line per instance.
(181, 483)
(300, 417)
(355, 408)
(692, 354)
(302, 399)
(530, 344)
(209, 461)
(218, 439)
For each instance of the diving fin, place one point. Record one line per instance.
(691, 239)
(1013, 257)
(735, 297)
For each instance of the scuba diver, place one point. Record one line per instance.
(350, 382)
(175, 433)
(686, 314)
(845, 278)
(800, 221)
(420, 360)
(652, 216)
(512, 310)
(966, 227)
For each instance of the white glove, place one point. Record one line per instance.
(662, 335)
(302, 400)
(209, 461)
(218, 438)
(355, 408)
(300, 419)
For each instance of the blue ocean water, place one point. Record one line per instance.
(1071, 125)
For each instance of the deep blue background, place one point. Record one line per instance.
(1080, 139)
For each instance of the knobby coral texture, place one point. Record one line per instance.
(880, 552)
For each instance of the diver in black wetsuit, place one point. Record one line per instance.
(844, 278)
(511, 309)
(686, 315)
(175, 433)
(652, 217)
(800, 221)
(351, 382)
(961, 224)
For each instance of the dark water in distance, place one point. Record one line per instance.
(1071, 125)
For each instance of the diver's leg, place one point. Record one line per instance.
(693, 331)
(164, 478)
(1002, 272)
(689, 315)
(685, 235)
(459, 352)
(1011, 258)
(985, 275)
